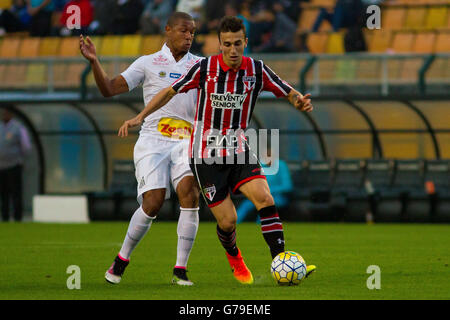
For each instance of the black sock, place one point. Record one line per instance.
(272, 229)
(228, 241)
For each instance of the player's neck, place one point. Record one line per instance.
(177, 55)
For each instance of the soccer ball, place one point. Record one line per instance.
(288, 268)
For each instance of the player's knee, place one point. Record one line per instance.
(150, 210)
(152, 206)
(264, 199)
(227, 224)
(189, 199)
(188, 193)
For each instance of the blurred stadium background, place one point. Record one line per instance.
(378, 140)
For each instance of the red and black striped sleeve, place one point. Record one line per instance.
(273, 83)
(191, 80)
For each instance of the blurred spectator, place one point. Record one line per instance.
(155, 16)
(214, 10)
(87, 15)
(16, 18)
(127, 16)
(258, 13)
(14, 146)
(348, 14)
(41, 17)
(354, 40)
(231, 9)
(192, 7)
(116, 16)
(104, 11)
(345, 14)
(60, 4)
(282, 37)
(292, 8)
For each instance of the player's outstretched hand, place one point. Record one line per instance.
(123, 130)
(87, 48)
(303, 103)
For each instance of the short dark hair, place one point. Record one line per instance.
(231, 24)
(174, 17)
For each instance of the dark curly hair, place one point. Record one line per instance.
(231, 24)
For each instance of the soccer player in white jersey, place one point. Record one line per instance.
(163, 138)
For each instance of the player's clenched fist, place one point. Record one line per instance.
(123, 130)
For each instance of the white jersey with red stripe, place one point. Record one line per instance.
(156, 72)
(226, 98)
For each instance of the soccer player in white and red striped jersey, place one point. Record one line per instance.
(228, 86)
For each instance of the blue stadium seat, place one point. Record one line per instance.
(119, 201)
(379, 173)
(123, 178)
(348, 196)
(297, 209)
(384, 201)
(299, 178)
(408, 174)
(410, 186)
(349, 175)
(319, 175)
(438, 172)
(319, 181)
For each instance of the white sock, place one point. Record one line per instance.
(186, 230)
(139, 225)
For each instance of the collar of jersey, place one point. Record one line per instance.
(225, 67)
(166, 51)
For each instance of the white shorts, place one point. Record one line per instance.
(159, 162)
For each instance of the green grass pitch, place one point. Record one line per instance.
(414, 261)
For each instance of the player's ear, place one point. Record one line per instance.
(246, 43)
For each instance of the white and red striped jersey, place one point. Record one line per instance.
(226, 97)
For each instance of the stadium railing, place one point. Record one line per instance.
(378, 73)
(323, 74)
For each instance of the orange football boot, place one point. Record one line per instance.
(239, 269)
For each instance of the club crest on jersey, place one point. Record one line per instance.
(227, 100)
(210, 192)
(162, 74)
(249, 82)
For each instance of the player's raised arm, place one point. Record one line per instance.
(159, 100)
(273, 83)
(299, 101)
(108, 87)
